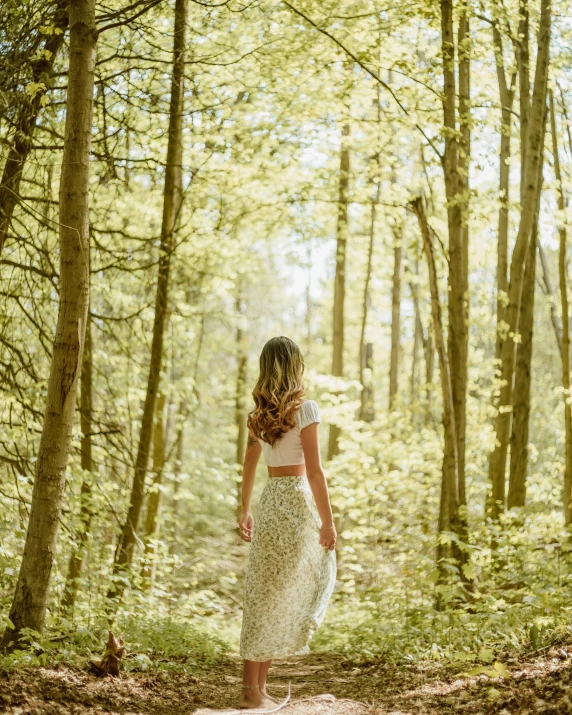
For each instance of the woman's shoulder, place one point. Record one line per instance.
(308, 413)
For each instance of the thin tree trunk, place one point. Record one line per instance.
(565, 352)
(340, 278)
(428, 348)
(449, 502)
(522, 381)
(86, 507)
(240, 401)
(172, 200)
(25, 122)
(456, 168)
(154, 499)
(414, 382)
(29, 605)
(176, 487)
(366, 407)
(533, 150)
(549, 291)
(395, 320)
(506, 95)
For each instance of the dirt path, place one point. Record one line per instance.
(321, 685)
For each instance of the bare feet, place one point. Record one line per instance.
(253, 699)
(266, 694)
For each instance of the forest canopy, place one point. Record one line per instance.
(385, 183)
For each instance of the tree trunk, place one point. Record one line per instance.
(395, 319)
(154, 500)
(240, 402)
(25, 123)
(533, 150)
(176, 487)
(549, 291)
(456, 170)
(366, 407)
(172, 200)
(86, 507)
(506, 95)
(340, 278)
(449, 502)
(565, 352)
(414, 381)
(30, 599)
(521, 399)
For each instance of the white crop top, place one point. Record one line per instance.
(287, 451)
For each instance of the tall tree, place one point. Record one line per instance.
(449, 518)
(155, 493)
(522, 380)
(506, 94)
(340, 276)
(29, 605)
(86, 497)
(395, 348)
(456, 159)
(530, 186)
(366, 349)
(240, 396)
(565, 347)
(172, 201)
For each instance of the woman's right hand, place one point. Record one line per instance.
(328, 537)
(246, 525)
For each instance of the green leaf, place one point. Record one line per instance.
(486, 655)
(501, 669)
(469, 571)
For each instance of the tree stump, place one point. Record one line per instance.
(109, 664)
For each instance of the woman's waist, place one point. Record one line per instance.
(287, 480)
(279, 471)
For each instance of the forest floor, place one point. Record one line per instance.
(321, 684)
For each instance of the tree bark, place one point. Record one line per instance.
(86, 507)
(366, 407)
(30, 599)
(154, 499)
(522, 380)
(172, 200)
(25, 123)
(449, 501)
(240, 402)
(456, 175)
(506, 94)
(530, 188)
(340, 277)
(395, 320)
(565, 351)
(549, 291)
(176, 486)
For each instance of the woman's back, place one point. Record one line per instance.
(287, 451)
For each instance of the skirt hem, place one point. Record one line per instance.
(275, 655)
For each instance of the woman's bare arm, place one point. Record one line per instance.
(251, 457)
(318, 484)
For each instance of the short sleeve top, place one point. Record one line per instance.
(287, 451)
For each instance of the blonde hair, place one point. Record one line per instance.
(279, 390)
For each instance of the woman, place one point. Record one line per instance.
(291, 568)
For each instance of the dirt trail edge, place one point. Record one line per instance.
(322, 684)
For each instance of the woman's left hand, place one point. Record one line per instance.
(328, 538)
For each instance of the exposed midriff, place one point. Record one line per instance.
(294, 470)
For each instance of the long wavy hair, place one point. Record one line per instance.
(279, 390)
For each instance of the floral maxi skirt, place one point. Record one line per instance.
(289, 576)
